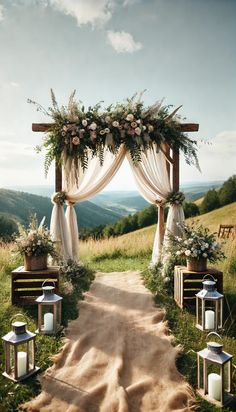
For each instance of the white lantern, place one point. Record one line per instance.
(214, 367)
(49, 311)
(19, 345)
(209, 306)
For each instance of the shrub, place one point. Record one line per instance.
(210, 202)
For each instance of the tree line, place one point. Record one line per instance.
(212, 200)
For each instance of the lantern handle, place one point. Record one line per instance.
(48, 280)
(214, 333)
(18, 314)
(211, 276)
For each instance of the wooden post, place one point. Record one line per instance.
(58, 177)
(175, 174)
(161, 223)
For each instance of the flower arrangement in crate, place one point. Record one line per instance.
(35, 244)
(197, 245)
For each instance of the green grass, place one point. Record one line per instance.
(128, 252)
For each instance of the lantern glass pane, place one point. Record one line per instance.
(200, 373)
(12, 362)
(47, 317)
(22, 359)
(199, 311)
(31, 354)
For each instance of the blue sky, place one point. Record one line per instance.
(182, 50)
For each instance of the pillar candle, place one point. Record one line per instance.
(21, 363)
(48, 322)
(209, 319)
(214, 386)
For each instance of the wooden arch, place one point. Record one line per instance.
(172, 159)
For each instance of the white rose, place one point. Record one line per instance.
(178, 253)
(130, 117)
(93, 126)
(84, 122)
(187, 252)
(150, 128)
(206, 245)
(107, 130)
(115, 124)
(107, 119)
(138, 131)
(204, 255)
(144, 127)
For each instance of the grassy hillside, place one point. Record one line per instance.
(20, 205)
(142, 240)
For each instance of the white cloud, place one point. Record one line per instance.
(130, 2)
(14, 84)
(12, 150)
(1, 12)
(216, 158)
(95, 12)
(123, 42)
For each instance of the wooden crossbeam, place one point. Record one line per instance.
(185, 127)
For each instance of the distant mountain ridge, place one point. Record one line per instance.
(19, 205)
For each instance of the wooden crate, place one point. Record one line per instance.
(26, 286)
(187, 283)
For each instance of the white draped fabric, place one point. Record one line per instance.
(152, 179)
(90, 182)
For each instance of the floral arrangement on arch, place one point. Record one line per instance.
(175, 198)
(76, 132)
(197, 242)
(34, 240)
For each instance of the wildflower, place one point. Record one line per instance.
(76, 140)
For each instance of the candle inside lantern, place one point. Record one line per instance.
(209, 319)
(214, 386)
(48, 322)
(21, 363)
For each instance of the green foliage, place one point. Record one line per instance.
(227, 193)
(78, 274)
(8, 227)
(210, 202)
(190, 209)
(76, 132)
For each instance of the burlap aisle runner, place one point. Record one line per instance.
(117, 357)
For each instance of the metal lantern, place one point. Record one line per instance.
(209, 306)
(19, 345)
(212, 386)
(49, 311)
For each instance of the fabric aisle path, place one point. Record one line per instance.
(118, 356)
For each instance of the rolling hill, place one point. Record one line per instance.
(142, 239)
(19, 205)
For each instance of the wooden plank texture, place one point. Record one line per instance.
(27, 285)
(45, 127)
